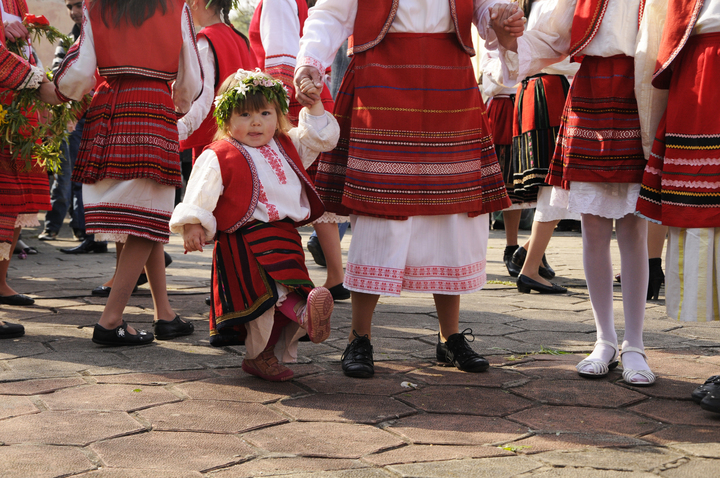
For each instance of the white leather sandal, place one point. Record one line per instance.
(599, 368)
(629, 373)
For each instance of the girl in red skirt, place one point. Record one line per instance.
(129, 160)
(22, 193)
(598, 161)
(249, 190)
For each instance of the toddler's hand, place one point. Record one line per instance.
(310, 73)
(193, 237)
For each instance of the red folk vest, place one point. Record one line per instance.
(586, 23)
(231, 53)
(242, 186)
(374, 18)
(254, 30)
(151, 50)
(679, 24)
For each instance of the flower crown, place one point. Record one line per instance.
(249, 82)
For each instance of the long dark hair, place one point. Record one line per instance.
(225, 6)
(134, 12)
(525, 6)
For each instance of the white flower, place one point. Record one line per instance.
(218, 100)
(241, 74)
(242, 88)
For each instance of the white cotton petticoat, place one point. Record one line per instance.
(432, 254)
(546, 212)
(609, 200)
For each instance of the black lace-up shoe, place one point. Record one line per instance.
(357, 360)
(457, 351)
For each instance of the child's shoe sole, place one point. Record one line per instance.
(318, 310)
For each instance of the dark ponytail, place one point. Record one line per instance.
(225, 6)
(134, 12)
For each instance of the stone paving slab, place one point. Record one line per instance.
(182, 408)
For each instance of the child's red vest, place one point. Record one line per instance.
(231, 53)
(679, 25)
(237, 204)
(374, 18)
(151, 50)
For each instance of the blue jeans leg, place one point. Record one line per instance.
(60, 192)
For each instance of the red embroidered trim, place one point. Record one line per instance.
(274, 161)
(273, 214)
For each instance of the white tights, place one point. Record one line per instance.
(632, 241)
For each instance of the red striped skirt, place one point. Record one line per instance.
(599, 138)
(246, 266)
(536, 123)
(500, 118)
(414, 137)
(130, 133)
(681, 185)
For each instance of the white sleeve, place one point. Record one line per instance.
(200, 107)
(492, 76)
(548, 41)
(314, 135)
(651, 101)
(329, 24)
(280, 34)
(481, 19)
(204, 188)
(76, 76)
(189, 82)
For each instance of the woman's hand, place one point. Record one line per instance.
(193, 237)
(16, 31)
(46, 93)
(311, 73)
(508, 23)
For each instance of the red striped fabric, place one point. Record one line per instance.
(246, 266)
(414, 137)
(599, 138)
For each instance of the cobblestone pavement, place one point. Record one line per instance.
(185, 409)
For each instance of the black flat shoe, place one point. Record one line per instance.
(512, 269)
(143, 277)
(711, 385)
(208, 301)
(119, 336)
(656, 278)
(17, 299)
(339, 292)
(313, 245)
(87, 246)
(711, 402)
(457, 351)
(518, 261)
(526, 284)
(357, 359)
(169, 329)
(11, 331)
(104, 291)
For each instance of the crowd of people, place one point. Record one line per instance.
(599, 111)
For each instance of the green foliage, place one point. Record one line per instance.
(41, 141)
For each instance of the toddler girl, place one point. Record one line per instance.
(249, 190)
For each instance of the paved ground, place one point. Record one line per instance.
(185, 409)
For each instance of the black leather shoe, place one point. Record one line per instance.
(104, 291)
(208, 301)
(313, 245)
(143, 277)
(656, 278)
(711, 385)
(711, 402)
(457, 351)
(86, 246)
(357, 360)
(526, 284)
(512, 269)
(339, 292)
(119, 336)
(11, 331)
(518, 260)
(169, 329)
(17, 299)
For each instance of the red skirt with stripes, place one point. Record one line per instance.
(500, 118)
(538, 110)
(414, 137)
(247, 264)
(681, 185)
(130, 133)
(599, 138)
